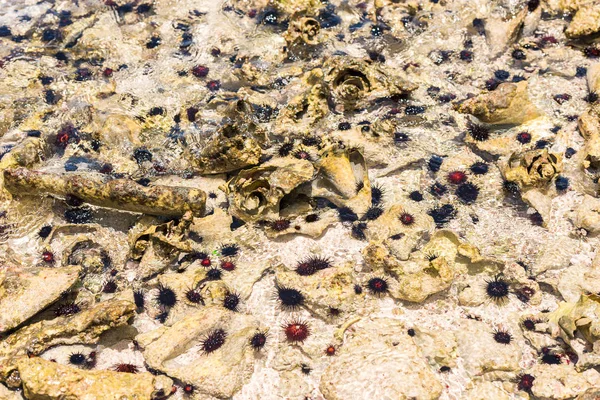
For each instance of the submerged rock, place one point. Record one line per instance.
(44, 380)
(508, 104)
(219, 368)
(83, 327)
(25, 292)
(388, 360)
(122, 194)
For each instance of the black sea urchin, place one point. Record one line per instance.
(290, 298)
(345, 214)
(258, 340)
(372, 213)
(377, 286)
(77, 358)
(231, 301)
(497, 289)
(229, 250)
(165, 296)
(478, 132)
(138, 298)
(502, 336)
(194, 296)
(213, 341)
(467, 193)
(67, 309)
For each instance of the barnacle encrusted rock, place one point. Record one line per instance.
(84, 327)
(508, 104)
(307, 107)
(233, 146)
(354, 83)
(121, 194)
(43, 380)
(417, 279)
(303, 35)
(25, 291)
(256, 193)
(387, 359)
(532, 168)
(177, 351)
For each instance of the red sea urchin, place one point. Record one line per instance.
(296, 330)
(406, 219)
(526, 382)
(457, 177)
(213, 341)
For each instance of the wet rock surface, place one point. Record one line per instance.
(254, 199)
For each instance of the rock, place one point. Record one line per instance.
(587, 215)
(387, 359)
(562, 381)
(25, 292)
(481, 353)
(438, 346)
(84, 327)
(8, 394)
(508, 104)
(330, 287)
(484, 390)
(593, 77)
(43, 380)
(121, 194)
(586, 21)
(540, 201)
(406, 236)
(339, 172)
(552, 255)
(501, 33)
(177, 351)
